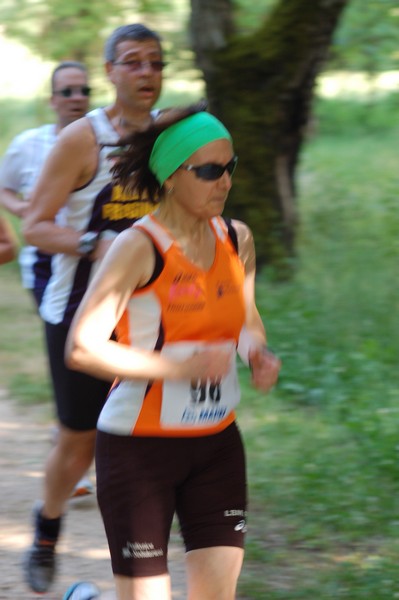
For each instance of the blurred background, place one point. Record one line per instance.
(310, 92)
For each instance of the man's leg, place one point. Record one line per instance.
(84, 487)
(68, 461)
(79, 400)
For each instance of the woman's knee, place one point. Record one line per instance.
(212, 573)
(143, 588)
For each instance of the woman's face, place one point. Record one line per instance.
(200, 197)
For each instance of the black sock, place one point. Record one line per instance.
(47, 529)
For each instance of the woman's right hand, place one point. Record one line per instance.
(206, 364)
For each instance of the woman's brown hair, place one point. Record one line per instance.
(131, 170)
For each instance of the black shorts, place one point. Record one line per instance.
(79, 397)
(143, 481)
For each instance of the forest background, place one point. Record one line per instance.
(323, 448)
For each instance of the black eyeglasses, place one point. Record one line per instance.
(70, 91)
(212, 171)
(137, 65)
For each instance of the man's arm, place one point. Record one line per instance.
(69, 166)
(13, 203)
(12, 165)
(8, 242)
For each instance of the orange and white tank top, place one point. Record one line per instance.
(181, 311)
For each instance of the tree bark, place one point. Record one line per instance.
(261, 86)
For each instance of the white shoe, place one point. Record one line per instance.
(83, 488)
(82, 591)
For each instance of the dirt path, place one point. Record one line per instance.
(25, 434)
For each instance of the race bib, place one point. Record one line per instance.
(195, 403)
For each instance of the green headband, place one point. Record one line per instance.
(174, 145)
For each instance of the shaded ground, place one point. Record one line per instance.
(25, 434)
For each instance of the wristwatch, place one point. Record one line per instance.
(88, 242)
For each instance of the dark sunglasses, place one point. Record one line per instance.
(137, 65)
(212, 171)
(69, 91)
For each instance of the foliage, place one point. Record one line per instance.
(368, 37)
(76, 30)
(248, 14)
(59, 30)
(341, 116)
(323, 447)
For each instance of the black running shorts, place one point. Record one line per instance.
(79, 397)
(143, 481)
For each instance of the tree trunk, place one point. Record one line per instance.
(261, 86)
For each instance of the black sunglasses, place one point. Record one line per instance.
(212, 171)
(69, 91)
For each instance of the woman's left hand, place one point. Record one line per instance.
(265, 367)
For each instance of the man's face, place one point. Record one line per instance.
(137, 73)
(70, 99)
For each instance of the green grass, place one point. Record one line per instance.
(372, 112)
(323, 451)
(323, 447)
(23, 367)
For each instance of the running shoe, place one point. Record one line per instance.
(82, 591)
(83, 488)
(39, 564)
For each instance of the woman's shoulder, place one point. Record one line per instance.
(242, 230)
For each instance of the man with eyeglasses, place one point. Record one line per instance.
(75, 212)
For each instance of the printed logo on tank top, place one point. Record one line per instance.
(122, 205)
(119, 204)
(186, 293)
(226, 287)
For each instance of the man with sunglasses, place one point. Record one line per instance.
(75, 212)
(21, 167)
(26, 155)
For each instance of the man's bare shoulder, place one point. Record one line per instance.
(80, 127)
(79, 132)
(76, 152)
